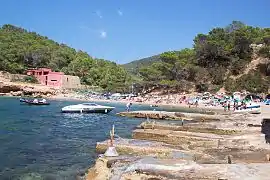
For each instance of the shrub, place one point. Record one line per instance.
(30, 79)
(202, 87)
(170, 83)
(218, 74)
(253, 82)
(265, 51)
(230, 85)
(238, 66)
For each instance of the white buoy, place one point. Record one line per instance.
(111, 151)
(106, 110)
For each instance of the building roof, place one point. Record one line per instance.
(44, 69)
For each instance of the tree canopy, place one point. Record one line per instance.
(21, 49)
(215, 57)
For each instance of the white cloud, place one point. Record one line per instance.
(98, 13)
(103, 34)
(120, 13)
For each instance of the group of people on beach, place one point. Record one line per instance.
(236, 105)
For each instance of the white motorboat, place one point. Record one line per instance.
(249, 110)
(252, 105)
(87, 108)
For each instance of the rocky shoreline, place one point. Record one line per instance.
(228, 147)
(28, 89)
(208, 144)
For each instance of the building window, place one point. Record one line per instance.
(67, 79)
(53, 80)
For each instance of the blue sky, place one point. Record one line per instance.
(126, 30)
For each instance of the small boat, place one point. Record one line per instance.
(252, 105)
(249, 110)
(267, 102)
(32, 102)
(87, 108)
(22, 100)
(153, 105)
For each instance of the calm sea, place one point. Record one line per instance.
(39, 142)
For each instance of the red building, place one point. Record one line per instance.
(47, 77)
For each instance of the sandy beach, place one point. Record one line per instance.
(184, 105)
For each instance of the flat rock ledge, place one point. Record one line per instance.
(145, 147)
(149, 168)
(164, 115)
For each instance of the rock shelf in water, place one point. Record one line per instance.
(227, 148)
(178, 138)
(161, 115)
(193, 127)
(143, 147)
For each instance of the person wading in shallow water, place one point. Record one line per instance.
(128, 106)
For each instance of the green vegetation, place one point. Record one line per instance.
(134, 66)
(30, 79)
(217, 59)
(20, 49)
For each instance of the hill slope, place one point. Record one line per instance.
(134, 66)
(235, 57)
(20, 49)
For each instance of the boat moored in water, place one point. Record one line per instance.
(252, 105)
(249, 110)
(267, 102)
(87, 108)
(34, 102)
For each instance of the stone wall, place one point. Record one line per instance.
(12, 77)
(71, 82)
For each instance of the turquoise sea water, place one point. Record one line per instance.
(39, 142)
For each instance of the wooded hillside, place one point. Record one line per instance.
(20, 49)
(235, 57)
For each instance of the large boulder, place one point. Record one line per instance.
(17, 93)
(37, 92)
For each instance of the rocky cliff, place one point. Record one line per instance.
(17, 88)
